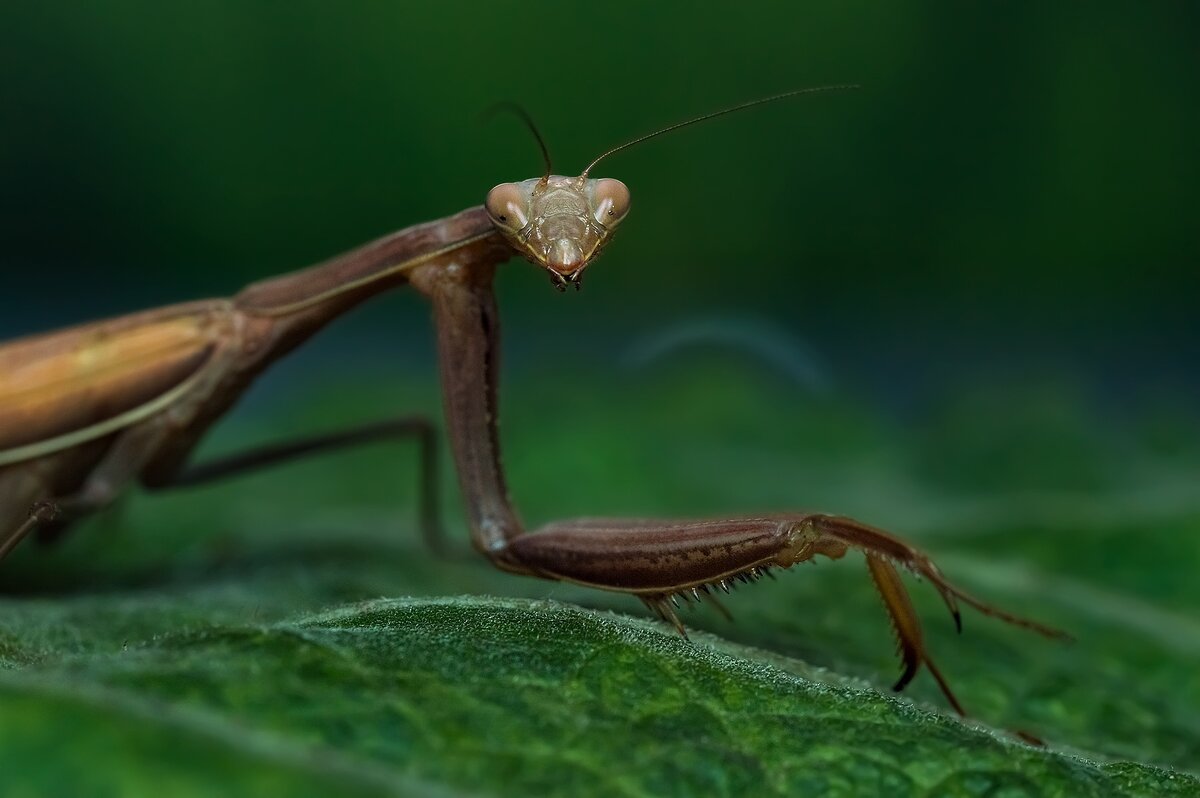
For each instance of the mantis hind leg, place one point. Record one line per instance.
(39, 514)
(117, 467)
(263, 457)
(56, 515)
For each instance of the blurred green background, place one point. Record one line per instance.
(1013, 191)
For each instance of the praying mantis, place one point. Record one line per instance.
(87, 411)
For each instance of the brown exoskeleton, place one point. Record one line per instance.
(86, 411)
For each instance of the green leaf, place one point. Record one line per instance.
(527, 697)
(237, 639)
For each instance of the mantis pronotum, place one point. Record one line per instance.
(86, 411)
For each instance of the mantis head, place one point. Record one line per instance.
(559, 223)
(562, 223)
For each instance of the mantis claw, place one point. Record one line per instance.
(907, 628)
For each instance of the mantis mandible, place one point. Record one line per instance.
(86, 411)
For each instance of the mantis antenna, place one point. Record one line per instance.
(523, 115)
(763, 101)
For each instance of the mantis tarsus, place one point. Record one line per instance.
(86, 411)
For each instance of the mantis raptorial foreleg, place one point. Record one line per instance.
(659, 561)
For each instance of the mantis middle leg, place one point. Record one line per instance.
(133, 453)
(415, 427)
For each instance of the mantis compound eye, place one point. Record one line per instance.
(506, 205)
(610, 201)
